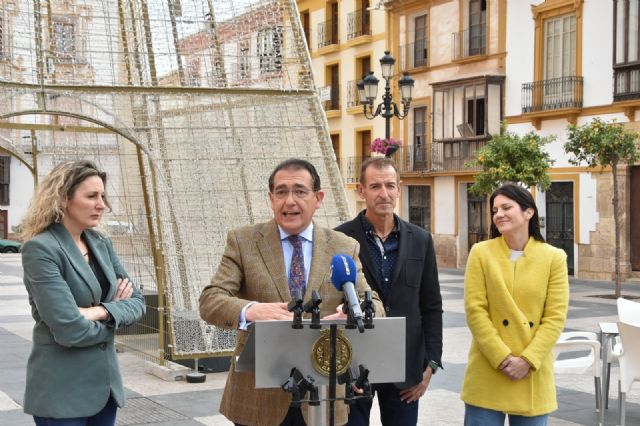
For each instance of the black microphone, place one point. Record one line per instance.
(343, 277)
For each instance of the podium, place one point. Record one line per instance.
(274, 349)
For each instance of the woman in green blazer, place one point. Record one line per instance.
(79, 295)
(516, 300)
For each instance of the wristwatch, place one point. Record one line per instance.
(434, 366)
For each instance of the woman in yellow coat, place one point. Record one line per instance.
(516, 299)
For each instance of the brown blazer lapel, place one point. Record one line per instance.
(270, 248)
(320, 261)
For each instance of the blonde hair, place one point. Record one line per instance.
(59, 186)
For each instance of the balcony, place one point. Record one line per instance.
(353, 98)
(358, 24)
(327, 33)
(470, 42)
(553, 94)
(333, 103)
(412, 158)
(452, 156)
(626, 82)
(350, 167)
(414, 54)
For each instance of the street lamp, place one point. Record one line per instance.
(368, 91)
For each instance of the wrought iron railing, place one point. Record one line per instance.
(413, 158)
(334, 102)
(414, 54)
(626, 82)
(353, 98)
(350, 168)
(470, 42)
(453, 156)
(555, 93)
(358, 23)
(327, 33)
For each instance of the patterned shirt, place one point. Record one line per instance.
(384, 254)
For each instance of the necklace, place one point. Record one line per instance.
(385, 236)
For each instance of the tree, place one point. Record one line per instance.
(509, 157)
(603, 144)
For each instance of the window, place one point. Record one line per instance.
(335, 19)
(560, 47)
(244, 60)
(5, 173)
(420, 41)
(419, 137)
(626, 28)
(270, 49)
(364, 139)
(465, 114)
(365, 17)
(358, 21)
(475, 116)
(477, 27)
(306, 27)
(218, 73)
(560, 61)
(420, 206)
(64, 33)
(335, 143)
(626, 49)
(467, 109)
(193, 73)
(363, 66)
(333, 75)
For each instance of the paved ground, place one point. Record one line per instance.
(155, 402)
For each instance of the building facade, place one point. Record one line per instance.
(537, 66)
(570, 61)
(346, 39)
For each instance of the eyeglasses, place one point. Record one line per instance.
(299, 193)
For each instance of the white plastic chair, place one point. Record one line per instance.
(580, 341)
(629, 360)
(629, 312)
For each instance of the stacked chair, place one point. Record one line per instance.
(627, 352)
(579, 342)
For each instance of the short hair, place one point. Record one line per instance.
(525, 200)
(54, 190)
(378, 163)
(296, 164)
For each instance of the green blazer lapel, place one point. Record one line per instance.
(270, 248)
(320, 261)
(101, 253)
(70, 250)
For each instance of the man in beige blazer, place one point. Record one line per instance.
(252, 283)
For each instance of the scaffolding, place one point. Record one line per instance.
(188, 105)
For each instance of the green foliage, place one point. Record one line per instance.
(509, 157)
(599, 143)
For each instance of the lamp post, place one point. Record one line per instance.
(368, 91)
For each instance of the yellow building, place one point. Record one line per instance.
(346, 39)
(543, 70)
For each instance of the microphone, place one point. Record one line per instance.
(343, 277)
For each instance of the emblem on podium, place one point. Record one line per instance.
(321, 353)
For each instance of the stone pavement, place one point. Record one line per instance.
(153, 401)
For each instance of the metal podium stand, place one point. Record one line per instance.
(274, 349)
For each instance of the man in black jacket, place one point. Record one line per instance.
(399, 262)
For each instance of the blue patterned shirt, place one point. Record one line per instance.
(384, 254)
